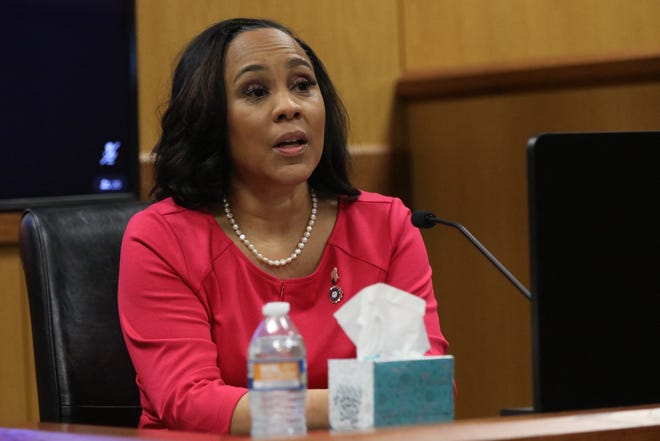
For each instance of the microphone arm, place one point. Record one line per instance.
(424, 219)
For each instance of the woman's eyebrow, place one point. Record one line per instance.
(249, 68)
(292, 62)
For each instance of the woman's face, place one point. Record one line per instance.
(275, 110)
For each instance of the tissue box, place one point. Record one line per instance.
(365, 394)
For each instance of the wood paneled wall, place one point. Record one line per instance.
(468, 159)
(471, 168)
(450, 33)
(17, 380)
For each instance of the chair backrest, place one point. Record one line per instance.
(70, 256)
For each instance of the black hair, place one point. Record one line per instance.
(192, 157)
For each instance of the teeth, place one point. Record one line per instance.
(294, 141)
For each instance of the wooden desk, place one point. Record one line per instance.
(625, 424)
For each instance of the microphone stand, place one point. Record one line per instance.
(431, 217)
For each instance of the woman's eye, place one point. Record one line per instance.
(255, 91)
(303, 84)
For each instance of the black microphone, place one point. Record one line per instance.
(426, 219)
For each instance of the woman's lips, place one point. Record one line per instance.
(290, 149)
(291, 144)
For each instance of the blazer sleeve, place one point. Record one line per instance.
(410, 271)
(166, 324)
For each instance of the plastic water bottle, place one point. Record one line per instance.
(277, 375)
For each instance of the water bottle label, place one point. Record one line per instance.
(277, 375)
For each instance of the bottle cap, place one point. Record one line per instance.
(275, 308)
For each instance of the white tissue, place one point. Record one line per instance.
(385, 323)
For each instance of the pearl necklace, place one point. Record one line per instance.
(278, 262)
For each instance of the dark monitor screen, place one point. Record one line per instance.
(594, 203)
(68, 127)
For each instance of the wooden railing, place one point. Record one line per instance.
(520, 77)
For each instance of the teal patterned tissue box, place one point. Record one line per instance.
(365, 394)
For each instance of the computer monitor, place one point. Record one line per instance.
(594, 206)
(68, 126)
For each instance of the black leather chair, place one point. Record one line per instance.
(70, 255)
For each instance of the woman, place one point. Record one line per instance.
(254, 205)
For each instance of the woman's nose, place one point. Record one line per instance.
(287, 107)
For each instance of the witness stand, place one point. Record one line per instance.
(620, 424)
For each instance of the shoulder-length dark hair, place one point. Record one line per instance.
(192, 157)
